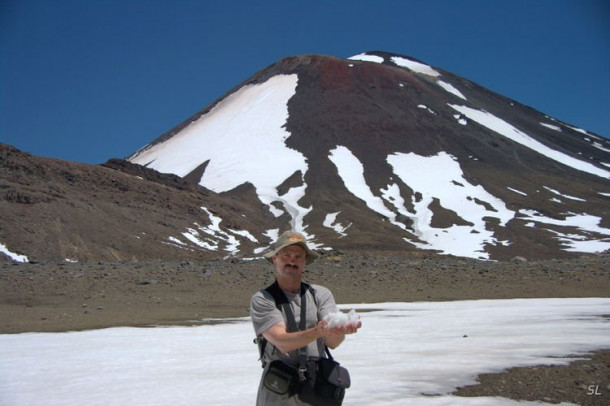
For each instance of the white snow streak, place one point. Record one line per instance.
(587, 224)
(367, 58)
(551, 126)
(210, 237)
(424, 107)
(414, 66)
(505, 129)
(451, 89)
(516, 191)
(351, 172)
(15, 257)
(440, 177)
(330, 222)
(558, 193)
(600, 146)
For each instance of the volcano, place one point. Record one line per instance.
(384, 152)
(377, 152)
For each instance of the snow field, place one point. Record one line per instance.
(415, 353)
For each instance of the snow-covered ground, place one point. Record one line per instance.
(405, 353)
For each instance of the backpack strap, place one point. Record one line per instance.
(282, 303)
(280, 298)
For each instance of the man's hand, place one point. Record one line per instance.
(335, 335)
(349, 328)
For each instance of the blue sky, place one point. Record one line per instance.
(90, 80)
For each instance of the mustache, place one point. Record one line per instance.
(290, 266)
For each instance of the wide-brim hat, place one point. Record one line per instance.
(291, 238)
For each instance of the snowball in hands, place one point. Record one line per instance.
(339, 319)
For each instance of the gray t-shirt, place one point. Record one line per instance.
(265, 314)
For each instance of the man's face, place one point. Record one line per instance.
(290, 260)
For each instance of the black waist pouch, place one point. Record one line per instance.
(281, 378)
(331, 381)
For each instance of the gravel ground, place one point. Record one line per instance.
(77, 296)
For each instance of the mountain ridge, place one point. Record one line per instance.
(376, 152)
(383, 112)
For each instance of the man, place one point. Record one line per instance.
(289, 255)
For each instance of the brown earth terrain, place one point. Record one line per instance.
(75, 296)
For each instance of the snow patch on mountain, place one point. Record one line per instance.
(440, 177)
(551, 126)
(367, 58)
(451, 89)
(253, 118)
(600, 146)
(507, 130)
(580, 130)
(460, 119)
(591, 238)
(351, 172)
(246, 234)
(330, 221)
(414, 66)
(558, 193)
(517, 191)
(15, 257)
(212, 237)
(424, 107)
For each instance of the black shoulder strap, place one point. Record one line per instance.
(279, 296)
(282, 303)
(277, 293)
